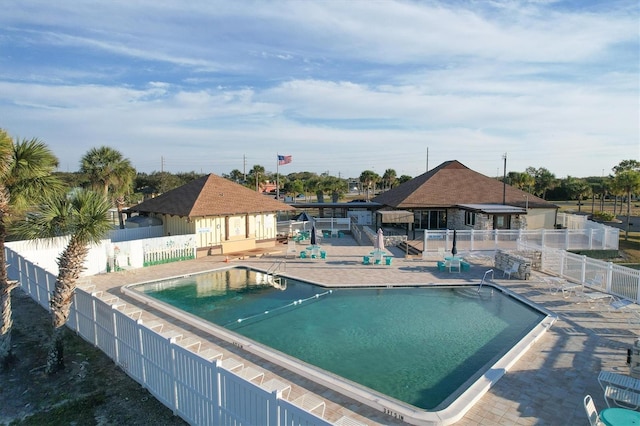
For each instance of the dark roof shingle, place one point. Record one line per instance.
(452, 183)
(210, 195)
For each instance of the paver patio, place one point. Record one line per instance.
(545, 387)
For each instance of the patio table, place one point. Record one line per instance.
(619, 416)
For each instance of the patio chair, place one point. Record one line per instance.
(366, 260)
(597, 281)
(513, 269)
(455, 264)
(592, 411)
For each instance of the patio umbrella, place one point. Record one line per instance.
(303, 217)
(379, 243)
(454, 250)
(313, 235)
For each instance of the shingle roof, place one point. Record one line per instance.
(210, 195)
(452, 183)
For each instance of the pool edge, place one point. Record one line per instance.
(450, 414)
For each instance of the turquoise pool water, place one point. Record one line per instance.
(417, 345)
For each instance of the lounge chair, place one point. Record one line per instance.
(513, 269)
(619, 304)
(625, 398)
(606, 378)
(592, 411)
(275, 385)
(348, 421)
(310, 403)
(597, 281)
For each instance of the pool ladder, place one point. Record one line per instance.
(276, 280)
(484, 278)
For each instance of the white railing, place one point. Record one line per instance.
(618, 280)
(573, 221)
(332, 224)
(198, 390)
(605, 238)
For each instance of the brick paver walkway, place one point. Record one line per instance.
(545, 387)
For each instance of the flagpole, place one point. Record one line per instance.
(277, 177)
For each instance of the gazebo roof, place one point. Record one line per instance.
(210, 195)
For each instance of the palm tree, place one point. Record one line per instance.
(257, 176)
(629, 182)
(389, 178)
(83, 218)
(108, 171)
(26, 169)
(369, 178)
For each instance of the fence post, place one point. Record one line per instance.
(566, 239)
(471, 240)
(609, 276)
(583, 269)
(425, 234)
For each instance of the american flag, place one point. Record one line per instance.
(284, 159)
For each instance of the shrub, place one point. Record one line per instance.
(604, 216)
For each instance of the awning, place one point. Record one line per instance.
(493, 208)
(395, 216)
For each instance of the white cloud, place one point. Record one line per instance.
(343, 86)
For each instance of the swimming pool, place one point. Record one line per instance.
(422, 346)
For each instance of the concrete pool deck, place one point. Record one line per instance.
(545, 387)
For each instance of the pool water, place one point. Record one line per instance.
(417, 345)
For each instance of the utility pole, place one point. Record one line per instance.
(427, 159)
(161, 164)
(504, 180)
(244, 168)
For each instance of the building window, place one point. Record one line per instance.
(501, 222)
(470, 218)
(431, 219)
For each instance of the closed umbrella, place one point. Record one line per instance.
(454, 250)
(379, 244)
(313, 235)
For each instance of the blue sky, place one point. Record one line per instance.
(342, 86)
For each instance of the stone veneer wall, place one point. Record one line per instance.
(528, 260)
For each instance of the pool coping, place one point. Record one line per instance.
(454, 411)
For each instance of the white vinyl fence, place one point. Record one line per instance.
(603, 238)
(618, 280)
(197, 389)
(109, 256)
